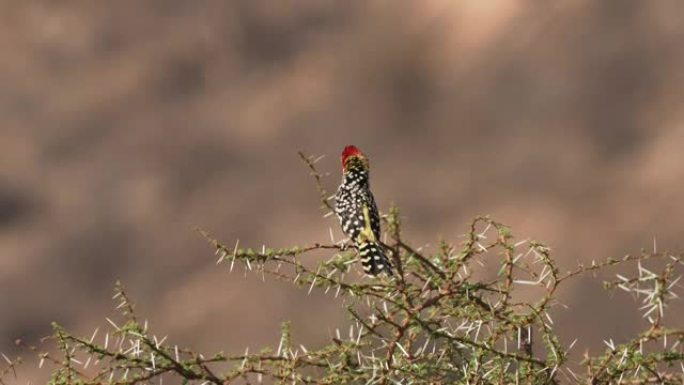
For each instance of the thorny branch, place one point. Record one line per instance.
(440, 320)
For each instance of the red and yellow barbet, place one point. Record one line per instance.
(355, 208)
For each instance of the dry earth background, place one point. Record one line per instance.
(126, 124)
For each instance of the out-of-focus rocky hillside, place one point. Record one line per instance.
(125, 124)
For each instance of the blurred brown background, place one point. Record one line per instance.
(126, 124)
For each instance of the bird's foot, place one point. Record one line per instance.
(345, 244)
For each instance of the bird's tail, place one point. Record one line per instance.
(373, 259)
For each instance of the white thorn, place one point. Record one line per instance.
(92, 338)
(113, 324)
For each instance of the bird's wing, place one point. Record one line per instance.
(374, 218)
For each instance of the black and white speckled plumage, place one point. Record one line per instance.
(355, 207)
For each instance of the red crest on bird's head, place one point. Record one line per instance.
(350, 151)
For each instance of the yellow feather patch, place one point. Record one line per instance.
(367, 232)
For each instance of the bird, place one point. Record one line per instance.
(358, 214)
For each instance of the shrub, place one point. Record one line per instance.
(460, 313)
